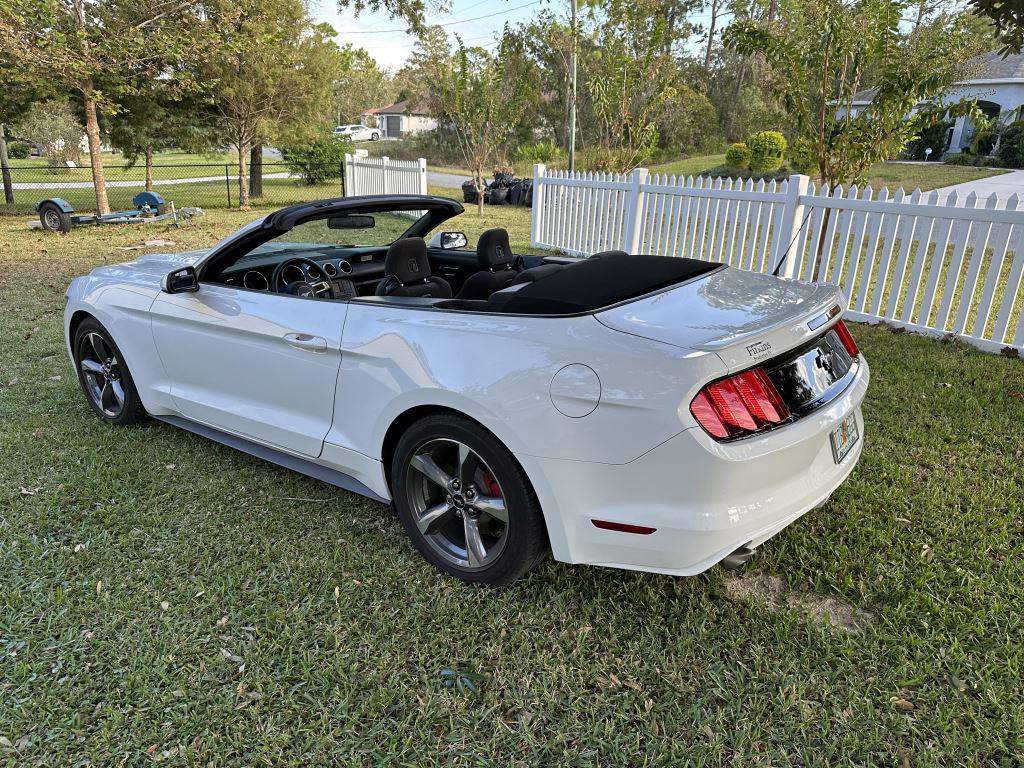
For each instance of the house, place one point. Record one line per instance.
(996, 83)
(400, 119)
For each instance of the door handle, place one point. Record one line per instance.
(306, 341)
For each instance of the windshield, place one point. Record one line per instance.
(372, 230)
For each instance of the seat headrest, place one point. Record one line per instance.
(407, 260)
(493, 250)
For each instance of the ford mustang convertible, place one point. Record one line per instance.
(659, 414)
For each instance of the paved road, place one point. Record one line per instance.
(448, 180)
(137, 183)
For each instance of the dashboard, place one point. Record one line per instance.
(356, 273)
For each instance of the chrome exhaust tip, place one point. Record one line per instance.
(736, 560)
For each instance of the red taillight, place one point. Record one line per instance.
(740, 404)
(847, 338)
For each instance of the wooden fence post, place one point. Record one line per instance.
(635, 211)
(537, 211)
(785, 245)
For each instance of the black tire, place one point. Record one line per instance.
(161, 209)
(100, 388)
(54, 218)
(522, 541)
(374, 136)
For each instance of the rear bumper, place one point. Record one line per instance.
(706, 499)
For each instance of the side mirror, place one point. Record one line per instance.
(451, 240)
(182, 280)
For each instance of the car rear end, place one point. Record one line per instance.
(763, 442)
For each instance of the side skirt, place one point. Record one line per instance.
(274, 456)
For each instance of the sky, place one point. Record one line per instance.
(387, 42)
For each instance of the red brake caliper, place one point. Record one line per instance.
(491, 485)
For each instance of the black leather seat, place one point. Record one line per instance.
(498, 266)
(407, 272)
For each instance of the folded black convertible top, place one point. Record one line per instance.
(599, 283)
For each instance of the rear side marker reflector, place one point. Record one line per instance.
(847, 339)
(739, 405)
(608, 525)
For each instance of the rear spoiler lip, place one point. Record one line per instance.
(805, 317)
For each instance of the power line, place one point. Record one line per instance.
(444, 24)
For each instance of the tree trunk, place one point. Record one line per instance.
(478, 173)
(712, 23)
(92, 131)
(256, 170)
(149, 169)
(243, 175)
(5, 167)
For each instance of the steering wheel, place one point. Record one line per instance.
(305, 278)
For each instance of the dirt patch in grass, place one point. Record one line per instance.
(772, 592)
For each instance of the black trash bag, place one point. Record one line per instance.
(515, 192)
(526, 196)
(469, 191)
(498, 196)
(503, 180)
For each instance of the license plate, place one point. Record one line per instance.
(844, 437)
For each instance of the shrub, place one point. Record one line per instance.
(738, 155)
(19, 150)
(766, 151)
(319, 161)
(731, 172)
(539, 152)
(801, 157)
(933, 137)
(1011, 148)
(983, 142)
(963, 158)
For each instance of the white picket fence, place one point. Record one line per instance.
(931, 262)
(384, 176)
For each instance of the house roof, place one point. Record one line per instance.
(398, 108)
(988, 66)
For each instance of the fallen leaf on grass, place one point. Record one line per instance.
(29, 491)
(164, 605)
(222, 621)
(39, 433)
(55, 378)
(230, 656)
(927, 553)
(708, 733)
(900, 703)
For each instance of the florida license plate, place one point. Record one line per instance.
(844, 437)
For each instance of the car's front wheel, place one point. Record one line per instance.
(105, 379)
(374, 136)
(465, 502)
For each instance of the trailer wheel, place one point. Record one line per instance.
(53, 218)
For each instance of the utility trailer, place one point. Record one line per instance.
(58, 215)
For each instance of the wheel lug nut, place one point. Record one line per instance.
(448, 498)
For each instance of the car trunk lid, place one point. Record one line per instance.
(744, 317)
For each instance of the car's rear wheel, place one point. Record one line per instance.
(105, 379)
(465, 502)
(374, 136)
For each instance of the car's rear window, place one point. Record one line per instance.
(595, 284)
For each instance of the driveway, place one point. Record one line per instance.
(1004, 185)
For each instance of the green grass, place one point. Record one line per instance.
(167, 599)
(113, 160)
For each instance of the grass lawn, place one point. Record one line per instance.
(910, 176)
(115, 159)
(166, 599)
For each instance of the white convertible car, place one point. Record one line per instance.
(660, 414)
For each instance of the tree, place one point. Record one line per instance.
(96, 49)
(144, 123)
(18, 90)
(54, 125)
(359, 85)
(270, 79)
(478, 101)
(823, 52)
(1008, 18)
